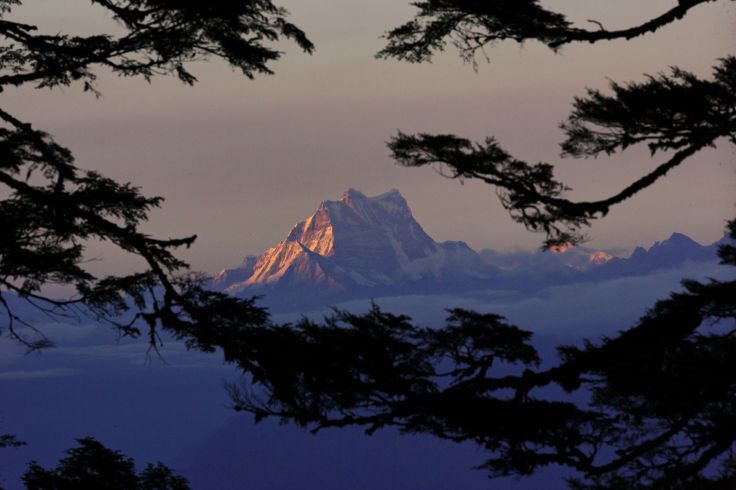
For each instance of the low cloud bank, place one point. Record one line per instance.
(582, 309)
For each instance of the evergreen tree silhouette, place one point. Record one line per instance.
(94, 466)
(662, 393)
(51, 210)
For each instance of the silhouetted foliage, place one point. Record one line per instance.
(679, 113)
(51, 209)
(662, 394)
(471, 25)
(7, 440)
(160, 37)
(93, 466)
(650, 408)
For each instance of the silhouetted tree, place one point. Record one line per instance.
(93, 466)
(657, 400)
(471, 25)
(8, 440)
(51, 209)
(678, 112)
(661, 394)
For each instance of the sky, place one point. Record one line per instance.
(240, 162)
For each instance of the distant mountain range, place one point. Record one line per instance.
(363, 247)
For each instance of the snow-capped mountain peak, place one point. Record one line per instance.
(358, 241)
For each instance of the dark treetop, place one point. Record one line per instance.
(93, 466)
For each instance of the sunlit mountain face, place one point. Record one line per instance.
(357, 242)
(365, 247)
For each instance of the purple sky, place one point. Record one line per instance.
(239, 162)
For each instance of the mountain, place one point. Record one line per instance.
(368, 247)
(670, 253)
(363, 244)
(556, 259)
(528, 270)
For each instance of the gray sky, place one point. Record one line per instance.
(239, 162)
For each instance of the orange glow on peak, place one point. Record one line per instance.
(562, 247)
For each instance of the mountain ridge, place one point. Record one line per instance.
(362, 246)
